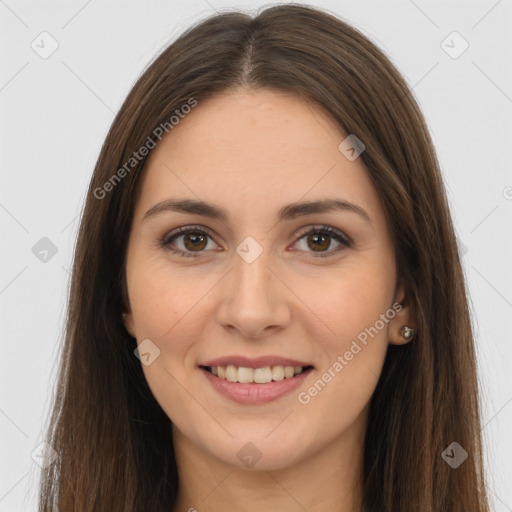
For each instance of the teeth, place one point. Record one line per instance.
(262, 375)
(257, 375)
(246, 374)
(231, 373)
(289, 372)
(277, 373)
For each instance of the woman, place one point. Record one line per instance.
(267, 308)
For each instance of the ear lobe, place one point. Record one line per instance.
(127, 314)
(402, 327)
(129, 324)
(403, 335)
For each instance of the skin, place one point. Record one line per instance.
(251, 153)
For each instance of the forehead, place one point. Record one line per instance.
(254, 149)
(242, 127)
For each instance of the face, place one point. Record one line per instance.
(230, 273)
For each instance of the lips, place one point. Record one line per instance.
(259, 370)
(261, 375)
(255, 380)
(256, 362)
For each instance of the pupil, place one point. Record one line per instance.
(318, 237)
(195, 240)
(319, 241)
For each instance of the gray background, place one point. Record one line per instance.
(55, 113)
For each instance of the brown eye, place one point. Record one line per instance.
(195, 241)
(319, 239)
(187, 241)
(318, 242)
(192, 241)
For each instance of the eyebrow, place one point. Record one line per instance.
(288, 212)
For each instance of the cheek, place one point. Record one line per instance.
(161, 298)
(357, 308)
(170, 308)
(163, 304)
(350, 302)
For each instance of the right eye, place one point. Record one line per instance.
(193, 240)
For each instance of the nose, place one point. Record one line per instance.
(254, 299)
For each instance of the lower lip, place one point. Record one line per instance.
(255, 393)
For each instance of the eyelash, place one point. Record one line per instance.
(316, 230)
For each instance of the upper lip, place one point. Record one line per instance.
(254, 362)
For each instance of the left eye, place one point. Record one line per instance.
(195, 240)
(321, 237)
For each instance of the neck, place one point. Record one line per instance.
(329, 480)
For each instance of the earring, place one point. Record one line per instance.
(407, 333)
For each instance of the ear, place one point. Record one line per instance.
(128, 323)
(403, 317)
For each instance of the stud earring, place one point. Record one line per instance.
(407, 333)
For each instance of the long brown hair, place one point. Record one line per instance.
(113, 440)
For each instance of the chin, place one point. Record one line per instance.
(257, 453)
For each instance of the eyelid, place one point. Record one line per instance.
(324, 228)
(344, 240)
(194, 228)
(165, 241)
(339, 236)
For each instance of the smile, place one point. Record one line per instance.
(255, 381)
(262, 375)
